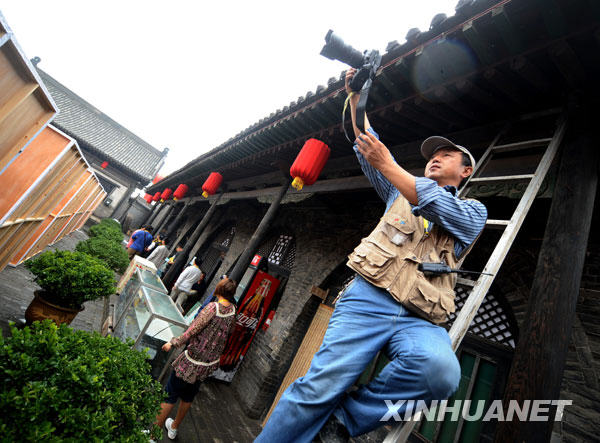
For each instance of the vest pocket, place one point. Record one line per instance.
(431, 302)
(372, 259)
(397, 229)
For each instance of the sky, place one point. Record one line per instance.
(189, 75)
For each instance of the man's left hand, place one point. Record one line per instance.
(375, 152)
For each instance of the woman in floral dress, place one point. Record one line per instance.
(205, 339)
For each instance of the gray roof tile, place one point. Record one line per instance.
(97, 131)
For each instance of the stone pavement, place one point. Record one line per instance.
(215, 416)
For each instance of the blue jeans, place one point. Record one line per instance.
(366, 319)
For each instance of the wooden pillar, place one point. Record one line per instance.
(181, 259)
(195, 221)
(246, 256)
(178, 218)
(166, 218)
(539, 358)
(153, 214)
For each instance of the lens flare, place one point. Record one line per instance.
(441, 62)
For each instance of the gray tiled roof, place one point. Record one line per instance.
(96, 131)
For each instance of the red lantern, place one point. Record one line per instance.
(165, 194)
(211, 184)
(180, 192)
(309, 163)
(156, 197)
(157, 178)
(104, 165)
(148, 198)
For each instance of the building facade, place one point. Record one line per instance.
(496, 72)
(121, 160)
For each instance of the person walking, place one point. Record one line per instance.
(159, 253)
(140, 241)
(183, 285)
(205, 338)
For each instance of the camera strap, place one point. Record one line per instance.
(361, 108)
(346, 102)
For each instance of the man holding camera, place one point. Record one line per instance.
(390, 305)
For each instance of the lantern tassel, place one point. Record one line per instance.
(298, 183)
(205, 194)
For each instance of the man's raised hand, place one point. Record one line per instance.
(375, 152)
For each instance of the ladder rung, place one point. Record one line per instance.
(521, 145)
(502, 178)
(491, 222)
(465, 282)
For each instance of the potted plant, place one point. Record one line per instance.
(68, 279)
(59, 384)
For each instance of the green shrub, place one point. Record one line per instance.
(71, 278)
(106, 231)
(59, 384)
(111, 223)
(110, 252)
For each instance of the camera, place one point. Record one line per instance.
(366, 63)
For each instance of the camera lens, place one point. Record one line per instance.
(336, 49)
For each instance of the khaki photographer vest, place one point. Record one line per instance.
(389, 256)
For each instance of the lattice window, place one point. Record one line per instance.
(280, 250)
(278, 253)
(491, 321)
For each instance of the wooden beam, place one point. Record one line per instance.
(507, 31)
(553, 17)
(281, 132)
(426, 120)
(530, 73)
(539, 358)
(332, 185)
(389, 85)
(397, 119)
(568, 64)
(479, 95)
(503, 85)
(298, 125)
(458, 107)
(432, 108)
(422, 66)
(327, 115)
(402, 66)
(480, 46)
(310, 120)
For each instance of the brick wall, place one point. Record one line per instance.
(325, 229)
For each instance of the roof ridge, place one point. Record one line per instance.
(101, 114)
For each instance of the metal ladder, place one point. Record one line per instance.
(480, 287)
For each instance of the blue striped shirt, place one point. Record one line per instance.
(463, 219)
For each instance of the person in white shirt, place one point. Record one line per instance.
(159, 254)
(182, 287)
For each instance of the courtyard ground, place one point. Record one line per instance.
(215, 416)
